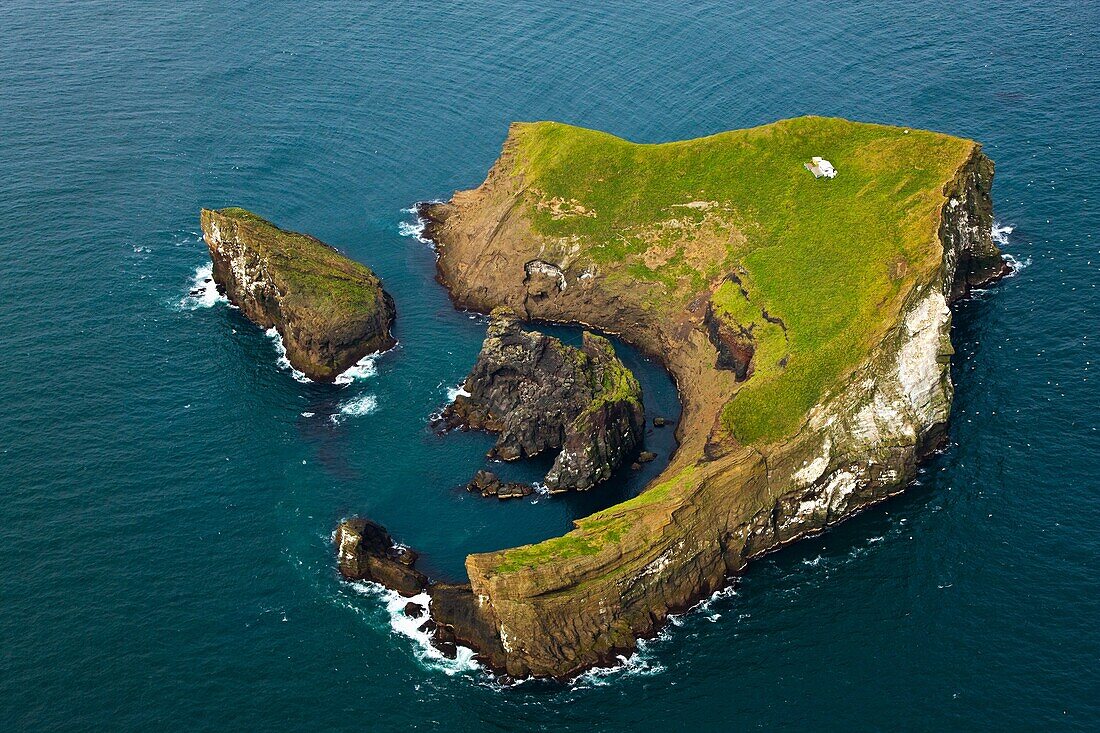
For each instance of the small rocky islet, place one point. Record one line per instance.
(806, 322)
(329, 310)
(538, 394)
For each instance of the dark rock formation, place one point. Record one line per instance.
(540, 394)
(329, 310)
(488, 483)
(366, 551)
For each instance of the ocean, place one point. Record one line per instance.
(171, 488)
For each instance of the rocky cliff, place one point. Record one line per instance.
(806, 323)
(540, 394)
(329, 310)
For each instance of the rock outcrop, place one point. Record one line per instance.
(330, 311)
(742, 482)
(540, 394)
(488, 484)
(365, 551)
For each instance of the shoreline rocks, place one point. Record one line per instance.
(329, 310)
(365, 551)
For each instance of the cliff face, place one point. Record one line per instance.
(731, 492)
(329, 310)
(538, 394)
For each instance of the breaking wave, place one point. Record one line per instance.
(1016, 264)
(362, 369)
(415, 229)
(409, 627)
(453, 392)
(1000, 234)
(280, 357)
(362, 405)
(203, 291)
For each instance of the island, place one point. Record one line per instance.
(329, 310)
(805, 319)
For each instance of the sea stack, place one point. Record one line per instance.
(540, 394)
(329, 310)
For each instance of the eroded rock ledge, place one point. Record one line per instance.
(539, 394)
(329, 310)
(732, 491)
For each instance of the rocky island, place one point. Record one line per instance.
(330, 311)
(805, 320)
(539, 394)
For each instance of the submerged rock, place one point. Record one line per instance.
(329, 310)
(366, 551)
(540, 394)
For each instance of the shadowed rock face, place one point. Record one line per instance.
(329, 310)
(540, 394)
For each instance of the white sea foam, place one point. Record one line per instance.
(410, 628)
(638, 664)
(1016, 264)
(411, 229)
(362, 369)
(203, 291)
(1000, 233)
(453, 392)
(362, 405)
(280, 357)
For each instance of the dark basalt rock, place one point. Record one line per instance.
(539, 394)
(488, 483)
(414, 610)
(366, 551)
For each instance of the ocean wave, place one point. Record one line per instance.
(638, 664)
(454, 392)
(203, 291)
(409, 627)
(362, 369)
(1016, 265)
(415, 229)
(280, 357)
(1000, 233)
(362, 405)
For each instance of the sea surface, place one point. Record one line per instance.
(169, 487)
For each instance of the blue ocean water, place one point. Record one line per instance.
(169, 493)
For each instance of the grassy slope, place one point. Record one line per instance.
(822, 255)
(816, 253)
(317, 277)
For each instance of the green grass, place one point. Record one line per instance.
(817, 253)
(593, 533)
(315, 275)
